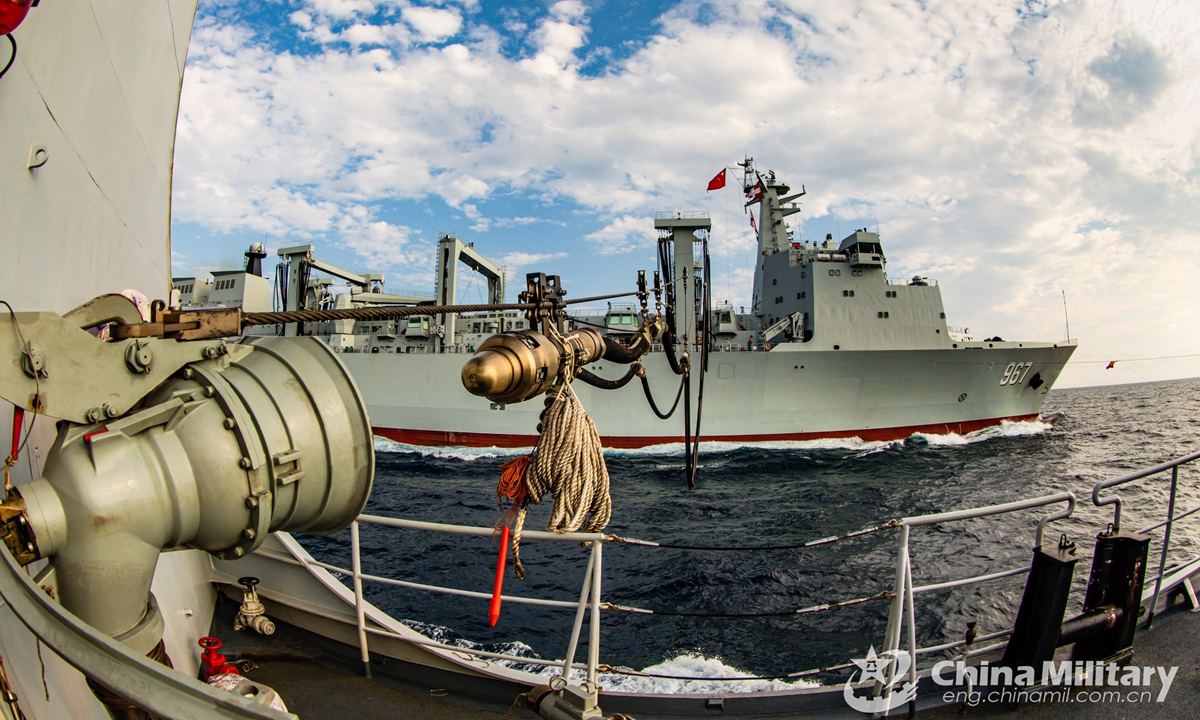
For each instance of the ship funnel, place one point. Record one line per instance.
(515, 366)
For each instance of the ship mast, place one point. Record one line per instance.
(775, 203)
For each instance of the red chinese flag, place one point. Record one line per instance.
(717, 182)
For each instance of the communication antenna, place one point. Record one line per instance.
(1066, 318)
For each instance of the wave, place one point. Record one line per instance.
(383, 445)
(694, 665)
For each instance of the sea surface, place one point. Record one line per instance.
(771, 494)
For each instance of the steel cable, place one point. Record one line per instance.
(885, 595)
(373, 313)
(891, 524)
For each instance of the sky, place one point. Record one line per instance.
(1015, 151)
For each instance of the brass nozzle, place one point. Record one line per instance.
(516, 366)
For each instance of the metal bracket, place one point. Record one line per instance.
(99, 384)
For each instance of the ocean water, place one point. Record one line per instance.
(778, 493)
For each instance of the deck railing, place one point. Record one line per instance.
(902, 614)
(1117, 503)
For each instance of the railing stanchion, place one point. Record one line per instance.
(1162, 563)
(912, 634)
(594, 628)
(358, 599)
(891, 637)
(583, 603)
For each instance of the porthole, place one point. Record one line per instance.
(774, 281)
(837, 347)
(942, 316)
(879, 314)
(845, 293)
(886, 315)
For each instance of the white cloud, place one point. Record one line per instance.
(514, 262)
(433, 24)
(623, 234)
(1011, 152)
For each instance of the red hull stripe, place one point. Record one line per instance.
(439, 438)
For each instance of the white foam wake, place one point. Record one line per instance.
(447, 452)
(1004, 429)
(706, 670)
(697, 666)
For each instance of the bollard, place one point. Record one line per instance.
(1118, 575)
(1040, 614)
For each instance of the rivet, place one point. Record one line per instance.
(221, 556)
(110, 411)
(238, 552)
(209, 391)
(230, 423)
(251, 502)
(245, 463)
(249, 533)
(188, 373)
(94, 415)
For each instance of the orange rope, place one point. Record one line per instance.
(511, 491)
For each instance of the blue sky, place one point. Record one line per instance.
(1011, 150)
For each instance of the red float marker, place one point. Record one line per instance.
(494, 610)
(18, 422)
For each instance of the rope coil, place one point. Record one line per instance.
(567, 461)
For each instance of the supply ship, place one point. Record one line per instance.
(832, 347)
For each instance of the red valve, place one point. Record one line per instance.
(12, 13)
(494, 610)
(212, 662)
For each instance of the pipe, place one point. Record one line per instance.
(1087, 624)
(604, 383)
(625, 354)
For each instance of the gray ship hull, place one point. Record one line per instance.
(788, 393)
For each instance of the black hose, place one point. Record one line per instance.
(12, 59)
(625, 354)
(606, 384)
(689, 467)
(703, 334)
(669, 349)
(654, 407)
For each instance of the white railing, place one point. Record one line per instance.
(1172, 518)
(903, 612)
(901, 617)
(589, 596)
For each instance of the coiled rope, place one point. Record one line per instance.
(568, 463)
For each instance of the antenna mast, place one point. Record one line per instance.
(1066, 318)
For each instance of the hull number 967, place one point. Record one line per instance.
(1015, 373)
